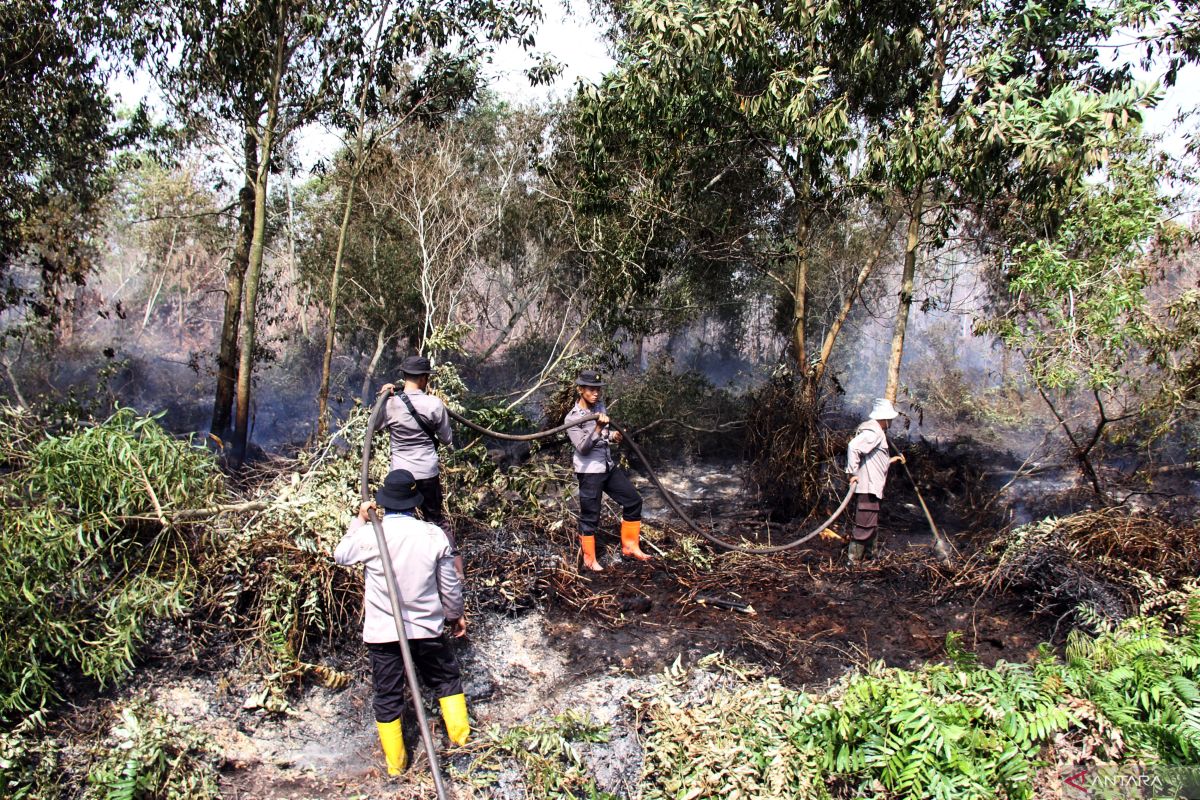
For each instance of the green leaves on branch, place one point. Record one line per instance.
(1079, 302)
(85, 562)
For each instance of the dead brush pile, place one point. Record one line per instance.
(273, 592)
(1107, 560)
(788, 448)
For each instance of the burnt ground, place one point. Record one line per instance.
(815, 618)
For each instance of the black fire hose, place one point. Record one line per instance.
(512, 437)
(397, 600)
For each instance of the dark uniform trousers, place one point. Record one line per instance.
(432, 507)
(435, 662)
(866, 517)
(615, 483)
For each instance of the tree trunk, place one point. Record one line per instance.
(799, 297)
(835, 328)
(331, 320)
(380, 341)
(227, 356)
(906, 292)
(246, 332)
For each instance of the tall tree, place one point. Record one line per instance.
(421, 62)
(57, 131)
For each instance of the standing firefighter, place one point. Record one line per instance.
(417, 423)
(598, 473)
(867, 461)
(432, 602)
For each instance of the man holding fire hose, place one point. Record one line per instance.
(867, 461)
(423, 561)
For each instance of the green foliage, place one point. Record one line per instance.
(152, 755)
(675, 410)
(1144, 679)
(1079, 295)
(29, 761)
(546, 753)
(86, 561)
(59, 132)
(954, 730)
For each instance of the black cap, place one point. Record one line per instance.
(399, 491)
(415, 365)
(589, 377)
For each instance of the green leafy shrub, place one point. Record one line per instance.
(954, 730)
(86, 561)
(151, 755)
(545, 750)
(671, 411)
(29, 761)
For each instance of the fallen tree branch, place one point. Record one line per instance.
(193, 514)
(722, 428)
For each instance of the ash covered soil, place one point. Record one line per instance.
(813, 620)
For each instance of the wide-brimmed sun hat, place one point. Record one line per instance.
(399, 491)
(884, 409)
(589, 377)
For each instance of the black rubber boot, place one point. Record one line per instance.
(856, 552)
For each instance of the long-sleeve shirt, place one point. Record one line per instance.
(412, 449)
(423, 560)
(591, 446)
(868, 458)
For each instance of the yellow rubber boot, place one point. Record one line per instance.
(392, 739)
(631, 536)
(588, 545)
(454, 714)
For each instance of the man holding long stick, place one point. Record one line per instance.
(867, 462)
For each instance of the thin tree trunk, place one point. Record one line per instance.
(331, 319)
(835, 327)
(906, 292)
(380, 342)
(227, 356)
(800, 296)
(292, 261)
(246, 332)
(241, 421)
(1081, 452)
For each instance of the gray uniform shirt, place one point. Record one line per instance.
(412, 448)
(868, 458)
(591, 448)
(424, 564)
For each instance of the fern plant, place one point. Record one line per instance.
(153, 756)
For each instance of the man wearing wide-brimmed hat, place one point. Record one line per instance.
(598, 473)
(867, 461)
(431, 603)
(417, 423)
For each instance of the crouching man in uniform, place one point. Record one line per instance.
(867, 462)
(431, 602)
